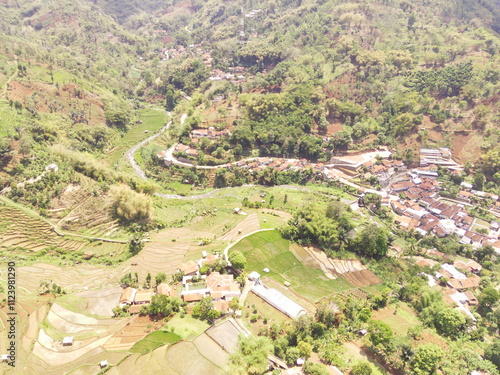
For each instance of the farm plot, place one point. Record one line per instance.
(248, 225)
(153, 341)
(172, 247)
(185, 358)
(88, 214)
(399, 320)
(351, 269)
(23, 232)
(72, 278)
(270, 250)
(187, 327)
(9, 118)
(136, 329)
(362, 278)
(66, 321)
(226, 335)
(210, 349)
(254, 305)
(102, 302)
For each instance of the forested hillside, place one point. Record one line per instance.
(307, 78)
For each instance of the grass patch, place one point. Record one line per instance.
(270, 250)
(179, 188)
(374, 289)
(483, 223)
(73, 303)
(154, 340)
(271, 221)
(400, 319)
(187, 327)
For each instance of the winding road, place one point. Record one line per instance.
(169, 157)
(130, 153)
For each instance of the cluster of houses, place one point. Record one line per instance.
(382, 170)
(210, 133)
(434, 156)
(235, 75)
(222, 288)
(459, 287)
(280, 165)
(467, 193)
(421, 208)
(180, 52)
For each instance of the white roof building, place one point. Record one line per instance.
(68, 340)
(466, 185)
(456, 274)
(279, 301)
(448, 226)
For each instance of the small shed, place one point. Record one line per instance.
(363, 332)
(237, 210)
(103, 364)
(68, 341)
(266, 270)
(4, 358)
(287, 284)
(204, 254)
(300, 361)
(254, 276)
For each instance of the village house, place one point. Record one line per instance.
(471, 266)
(143, 297)
(164, 289)
(223, 286)
(128, 296)
(189, 268)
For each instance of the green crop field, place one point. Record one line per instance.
(187, 327)
(269, 249)
(154, 340)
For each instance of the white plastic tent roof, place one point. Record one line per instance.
(278, 300)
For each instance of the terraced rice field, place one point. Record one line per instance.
(135, 330)
(19, 231)
(270, 250)
(362, 278)
(350, 269)
(72, 278)
(41, 351)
